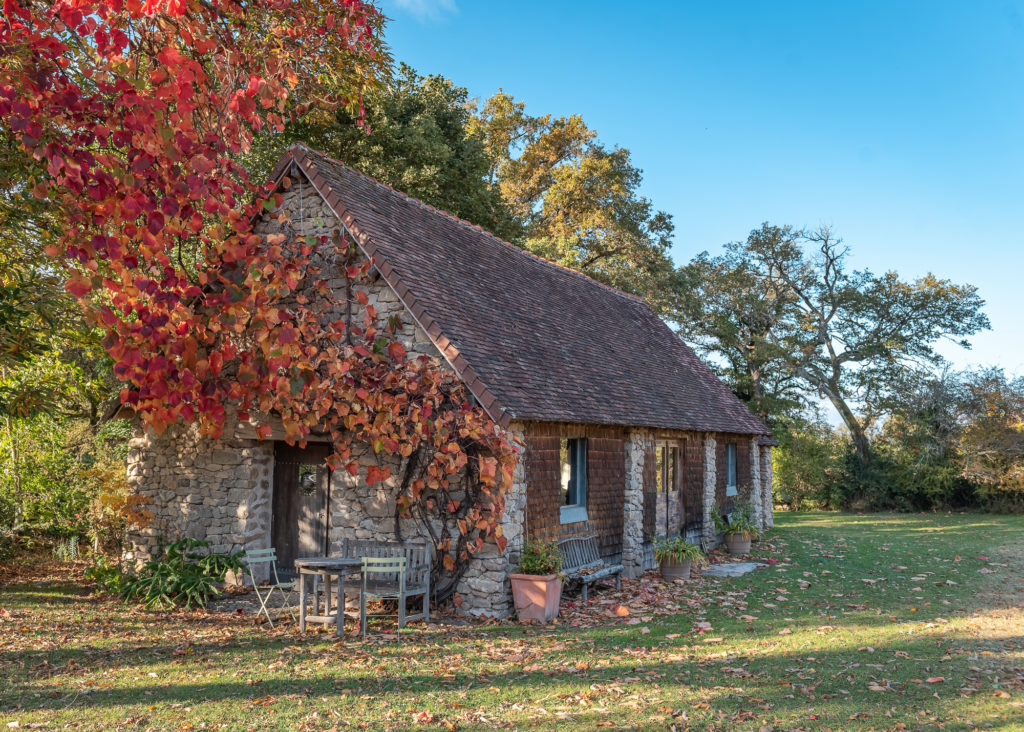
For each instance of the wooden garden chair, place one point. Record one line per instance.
(257, 557)
(383, 578)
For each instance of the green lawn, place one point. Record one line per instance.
(860, 622)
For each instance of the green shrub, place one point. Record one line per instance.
(677, 550)
(540, 558)
(740, 520)
(110, 579)
(66, 550)
(809, 465)
(185, 576)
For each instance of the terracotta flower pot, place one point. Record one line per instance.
(536, 596)
(738, 543)
(673, 569)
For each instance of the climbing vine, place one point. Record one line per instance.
(138, 111)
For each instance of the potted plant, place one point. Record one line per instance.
(738, 528)
(676, 557)
(537, 588)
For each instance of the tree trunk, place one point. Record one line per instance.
(857, 433)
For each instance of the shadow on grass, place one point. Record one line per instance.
(835, 683)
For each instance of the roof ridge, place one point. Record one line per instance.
(468, 224)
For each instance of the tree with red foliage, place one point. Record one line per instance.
(139, 112)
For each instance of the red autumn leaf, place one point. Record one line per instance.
(375, 474)
(287, 334)
(78, 287)
(396, 351)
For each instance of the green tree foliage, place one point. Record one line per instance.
(417, 139)
(808, 466)
(990, 441)
(32, 297)
(729, 315)
(62, 477)
(578, 201)
(544, 183)
(845, 335)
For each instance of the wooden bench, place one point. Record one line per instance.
(582, 563)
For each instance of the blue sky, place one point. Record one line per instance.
(901, 124)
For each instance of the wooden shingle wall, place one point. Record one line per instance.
(606, 480)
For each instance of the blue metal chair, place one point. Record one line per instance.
(257, 557)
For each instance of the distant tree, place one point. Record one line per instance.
(846, 336)
(33, 301)
(729, 313)
(578, 201)
(808, 465)
(543, 183)
(991, 439)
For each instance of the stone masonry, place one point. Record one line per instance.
(710, 478)
(766, 487)
(199, 487)
(756, 501)
(637, 446)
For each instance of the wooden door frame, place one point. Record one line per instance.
(284, 454)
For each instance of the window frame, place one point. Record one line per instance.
(577, 449)
(731, 488)
(667, 455)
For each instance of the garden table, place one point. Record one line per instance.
(324, 568)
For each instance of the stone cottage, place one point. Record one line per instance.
(627, 434)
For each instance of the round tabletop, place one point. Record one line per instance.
(327, 562)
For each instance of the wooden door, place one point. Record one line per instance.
(301, 502)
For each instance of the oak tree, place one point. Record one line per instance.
(846, 335)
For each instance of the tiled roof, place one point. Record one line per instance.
(532, 340)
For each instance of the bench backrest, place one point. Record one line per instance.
(579, 552)
(417, 555)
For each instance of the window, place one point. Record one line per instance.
(574, 479)
(665, 468)
(730, 469)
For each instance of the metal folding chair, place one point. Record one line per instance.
(256, 557)
(383, 578)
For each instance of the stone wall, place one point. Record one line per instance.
(213, 489)
(756, 496)
(766, 487)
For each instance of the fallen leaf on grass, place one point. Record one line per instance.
(935, 679)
